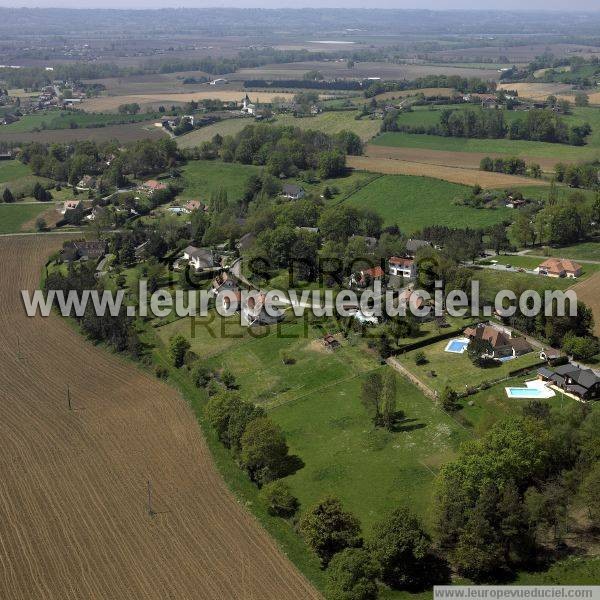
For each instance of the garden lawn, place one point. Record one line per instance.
(456, 370)
(371, 470)
(493, 404)
(416, 202)
(14, 216)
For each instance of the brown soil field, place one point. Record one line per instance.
(390, 166)
(537, 91)
(361, 69)
(466, 160)
(588, 291)
(112, 103)
(130, 132)
(73, 518)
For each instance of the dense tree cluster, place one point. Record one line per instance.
(541, 125)
(108, 161)
(117, 331)
(511, 491)
(288, 150)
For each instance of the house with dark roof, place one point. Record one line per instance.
(84, 250)
(583, 383)
(413, 245)
(199, 258)
(502, 344)
(292, 191)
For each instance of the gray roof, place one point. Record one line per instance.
(291, 189)
(582, 377)
(414, 245)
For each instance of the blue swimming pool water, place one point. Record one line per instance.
(516, 392)
(456, 346)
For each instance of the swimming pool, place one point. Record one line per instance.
(457, 346)
(534, 389)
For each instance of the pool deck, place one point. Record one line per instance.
(543, 391)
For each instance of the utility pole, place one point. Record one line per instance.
(69, 397)
(150, 511)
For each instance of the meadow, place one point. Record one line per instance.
(415, 202)
(521, 148)
(69, 120)
(316, 400)
(529, 150)
(17, 217)
(12, 169)
(329, 122)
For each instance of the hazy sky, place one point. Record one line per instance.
(432, 4)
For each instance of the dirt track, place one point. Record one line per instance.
(73, 520)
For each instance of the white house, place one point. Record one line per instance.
(402, 267)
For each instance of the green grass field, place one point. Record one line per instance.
(14, 216)
(58, 119)
(426, 117)
(202, 177)
(370, 469)
(334, 122)
(317, 402)
(415, 202)
(328, 122)
(12, 169)
(457, 370)
(583, 251)
(503, 146)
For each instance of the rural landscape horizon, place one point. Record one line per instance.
(299, 301)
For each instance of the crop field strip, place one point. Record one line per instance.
(464, 176)
(76, 480)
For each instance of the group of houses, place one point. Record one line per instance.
(400, 267)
